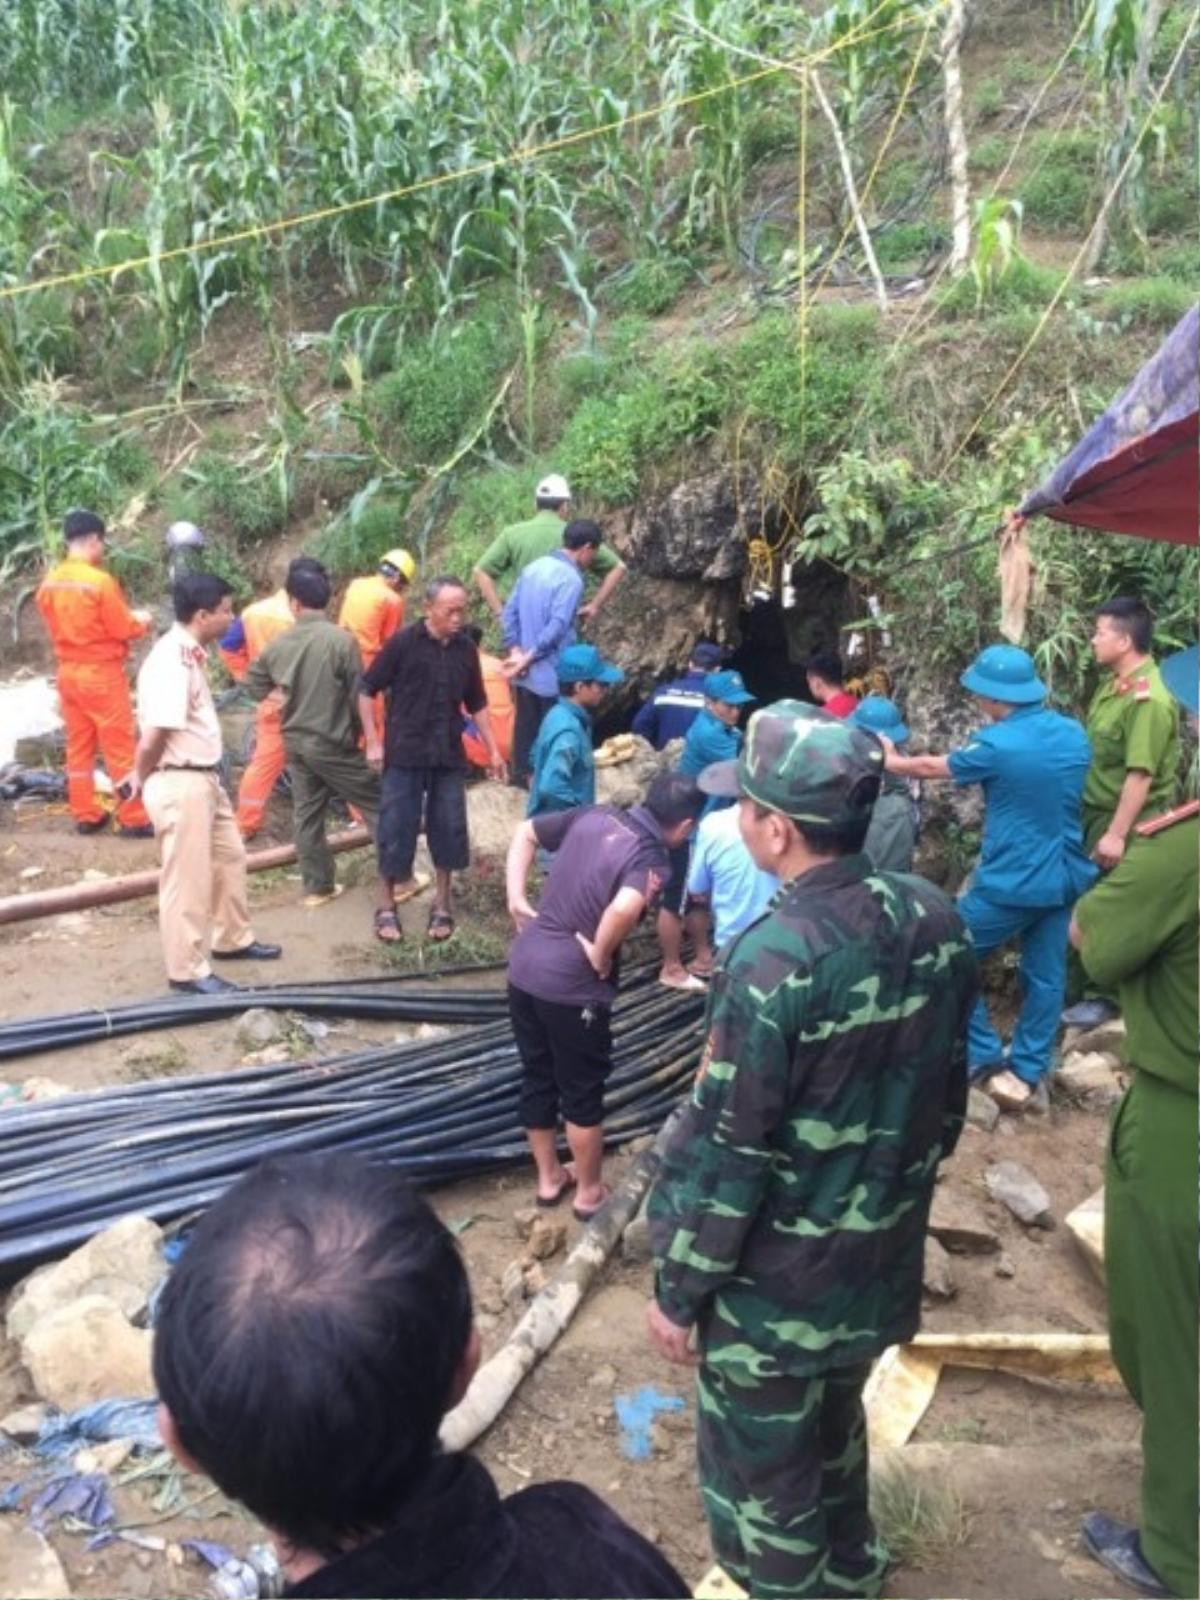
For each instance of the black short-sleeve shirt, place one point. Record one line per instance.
(598, 850)
(428, 682)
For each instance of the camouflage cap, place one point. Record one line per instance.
(799, 760)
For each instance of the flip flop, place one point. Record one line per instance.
(585, 1215)
(564, 1189)
(421, 882)
(313, 902)
(387, 927)
(688, 985)
(441, 927)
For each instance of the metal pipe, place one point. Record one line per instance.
(136, 885)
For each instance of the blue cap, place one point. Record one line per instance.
(877, 714)
(1179, 673)
(727, 686)
(583, 663)
(1004, 672)
(708, 655)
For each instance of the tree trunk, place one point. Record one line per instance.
(956, 138)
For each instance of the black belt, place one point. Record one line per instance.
(188, 767)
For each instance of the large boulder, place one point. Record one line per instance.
(88, 1350)
(123, 1263)
(494, 813)
(625, 784)
(699, 529)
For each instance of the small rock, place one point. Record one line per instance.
(1086, 1226)
(490, 1304)
(635, 1242)
(660, 1442)
(1007, 1130)
(105, 1457)
(88, 1351)
(271, 1055)
(604, 1377)
(123, 1263)
(428, 1032)
(28, 1564)
(1094, 1077)
(486, 1321)
(24, 1425)
(1056, 1506)
(1108, 1038)
(94, 875)
(534, 1279)
(1005, 1267)
(1015, 1187)
(27, 873)
(982, 1110)
(937, 1277)
(524, 1219)
(644, 1141)
(258, 1028)
(512, 1283)
(44, 1089)
(546, 1238)
(957, 1221)
(144, 1559)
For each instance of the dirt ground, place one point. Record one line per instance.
(1013, 1464)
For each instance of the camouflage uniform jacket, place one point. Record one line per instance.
(789, 1217)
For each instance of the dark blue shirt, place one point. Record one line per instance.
(1032, 766)
(671, 710)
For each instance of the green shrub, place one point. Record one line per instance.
(651, 286)
(352, 545)
(910, 242)
(442, 386)
(990, 154)
(1183, 263)
(1148, 303)
(811, 401)
(989, 97)
(769, 131)
(1170, 209)
(244, 505)
(1023, 285)
(1063, 191)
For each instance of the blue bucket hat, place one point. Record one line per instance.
(1179, 673)
(1005, 672)
(877, 714)
(727, 686)
(583, 663)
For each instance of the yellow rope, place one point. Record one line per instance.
(1080, 254)
(524, 153)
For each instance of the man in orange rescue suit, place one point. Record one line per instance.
(91, 626)
(373, 609)
(244, 641)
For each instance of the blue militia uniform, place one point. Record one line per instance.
(1032, 867)
(671, 710)
(564, 766)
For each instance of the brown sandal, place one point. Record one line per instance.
(441, 926)
(387, 926)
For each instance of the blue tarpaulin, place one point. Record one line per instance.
(1136, 469)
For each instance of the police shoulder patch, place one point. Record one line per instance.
(1141, 689)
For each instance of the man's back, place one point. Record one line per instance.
(85, 613)
(671, 710)
(540, 614)
(835, 1081)
(723, 869)
(317, 665)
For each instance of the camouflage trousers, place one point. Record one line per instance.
(783, 1476)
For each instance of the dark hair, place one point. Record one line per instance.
(581, 533)
(446, 581)
(543, 502)
(308, 582)
(82, 525)
(308, 1341)
(197, 591)
(826, 664)
(673, 798)
(846, 840)
(1133, 617)
(568, 688)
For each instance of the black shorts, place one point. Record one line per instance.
(566, 1052)
(674, 896)
(429, 798)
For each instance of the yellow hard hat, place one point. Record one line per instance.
(402, 562)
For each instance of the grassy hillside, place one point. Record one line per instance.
(673, 279)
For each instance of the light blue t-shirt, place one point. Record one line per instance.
(1031, 766)
(723, 869)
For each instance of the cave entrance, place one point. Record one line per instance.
(775, 638)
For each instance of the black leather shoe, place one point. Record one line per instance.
(92, 827)
(1118, 1547)
(142, 831)
(210, 985)
(250, 952)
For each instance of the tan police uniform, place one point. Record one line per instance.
(202, 887)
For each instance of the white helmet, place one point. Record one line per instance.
(553, 487)
(185, 536)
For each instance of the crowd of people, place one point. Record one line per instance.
(844, 1023)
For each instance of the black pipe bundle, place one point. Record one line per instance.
(438, 1111)
(386, 999)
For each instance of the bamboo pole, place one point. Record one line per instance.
(136, 885)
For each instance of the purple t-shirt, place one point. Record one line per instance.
(598, 850)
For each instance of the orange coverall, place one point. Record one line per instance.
(372, 611)
(500, 709)
(91, 626)
(262, 621)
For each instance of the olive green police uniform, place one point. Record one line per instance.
(1139, 928)
(788, 1221)
(1133, 725)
